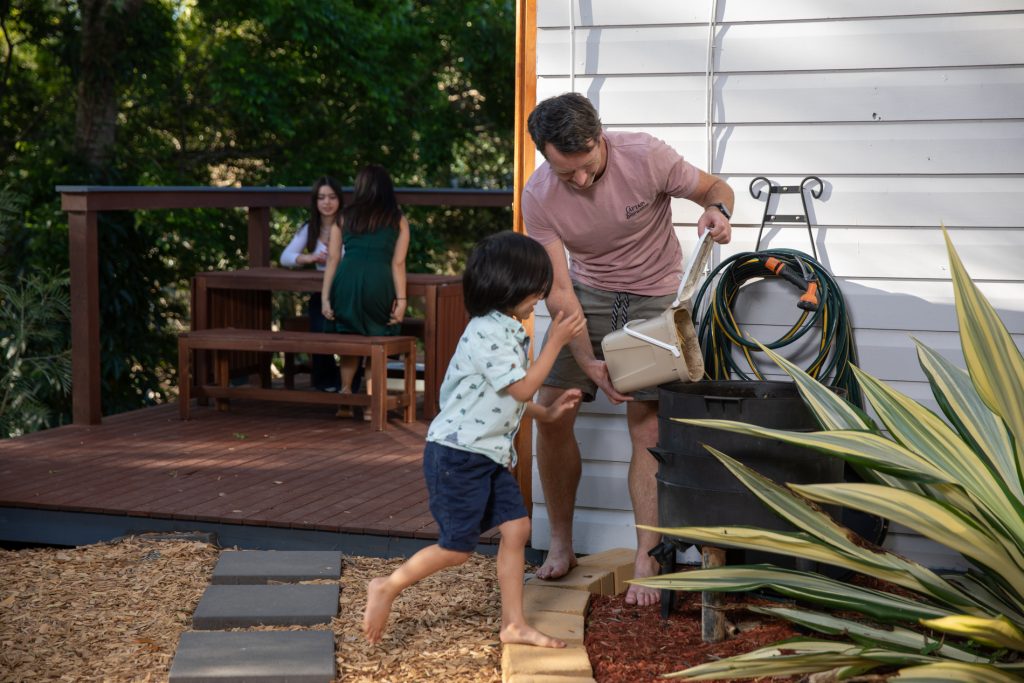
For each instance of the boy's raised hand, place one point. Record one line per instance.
(564, 328)
(564, 403)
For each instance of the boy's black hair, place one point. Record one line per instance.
(504, 269)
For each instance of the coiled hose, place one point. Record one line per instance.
(822, 307)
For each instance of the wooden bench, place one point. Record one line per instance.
(221, 341)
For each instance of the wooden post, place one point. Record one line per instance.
(712, 621)
(523, 164)
(83, 244)
(259, 236)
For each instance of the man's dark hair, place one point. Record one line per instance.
(569, 122)
(504, 269)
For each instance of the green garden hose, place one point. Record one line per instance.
(822, 310)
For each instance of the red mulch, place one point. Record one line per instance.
(635, 645)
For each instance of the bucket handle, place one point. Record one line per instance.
(674, 350)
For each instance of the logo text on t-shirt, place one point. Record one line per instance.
(634, 209)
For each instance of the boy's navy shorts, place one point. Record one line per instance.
(469, 494)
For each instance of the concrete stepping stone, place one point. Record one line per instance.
(287, 566)
(223, 607)
(258, 656)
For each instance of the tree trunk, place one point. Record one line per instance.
(103, 30)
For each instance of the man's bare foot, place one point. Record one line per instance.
(527, 635)
(556, 565)
(378, 609)
(642, 596)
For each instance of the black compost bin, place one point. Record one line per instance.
(694, 489)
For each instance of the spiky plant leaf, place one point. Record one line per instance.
(882, 565)
(993, 360)
(832, 411)
(988, 591)
(802, 586)
(943, 672)
(871, 636)
(979, 426)
(933, 520)
(995, 632)
(796, 656)
(859, 448)
(922, 432)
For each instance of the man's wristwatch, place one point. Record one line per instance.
(721, 207)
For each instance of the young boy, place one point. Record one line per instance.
(469, 449)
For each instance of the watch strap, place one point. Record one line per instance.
(721, 207)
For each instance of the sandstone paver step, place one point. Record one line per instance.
(257, 657)
(261, 566)
(224, 607)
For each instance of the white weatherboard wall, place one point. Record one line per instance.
(912, 113)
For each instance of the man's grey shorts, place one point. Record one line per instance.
(605, 312)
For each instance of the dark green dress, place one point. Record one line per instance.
(363, 290)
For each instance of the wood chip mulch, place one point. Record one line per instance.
(628, 644)
(115, 612)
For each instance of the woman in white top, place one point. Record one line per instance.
(309, 247)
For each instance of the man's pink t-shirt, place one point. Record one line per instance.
(619, 230)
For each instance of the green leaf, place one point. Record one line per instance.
(921, 431)
(860, 448)
(963, 406)
(945, 525)
(993, 360)
(870, 636)
(793, 657)
(995, 632)
(943, 672)
(832, 411)
(879, 563)
(802, 586)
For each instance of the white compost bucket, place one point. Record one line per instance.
(646, 353)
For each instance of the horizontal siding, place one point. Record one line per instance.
(955, 148)
(910, 95)
(884, 201)
(617, 13)
(600, 482)
(913, 42)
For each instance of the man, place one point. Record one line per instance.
(605, 197)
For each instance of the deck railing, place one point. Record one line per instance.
(84, 203)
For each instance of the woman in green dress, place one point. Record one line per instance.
(364, 293)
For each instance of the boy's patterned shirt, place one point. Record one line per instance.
(477, 413)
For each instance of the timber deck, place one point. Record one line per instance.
(253, 472)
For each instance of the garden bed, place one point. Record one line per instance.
(115, 612)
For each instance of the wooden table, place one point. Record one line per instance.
(241, 298)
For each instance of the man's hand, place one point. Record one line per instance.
(715, 222)
(597, 371)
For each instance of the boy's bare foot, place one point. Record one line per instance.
(556, 565)
(378, 609)
(642, 596)
(527, 635)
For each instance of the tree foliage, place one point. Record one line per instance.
(260, 92)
